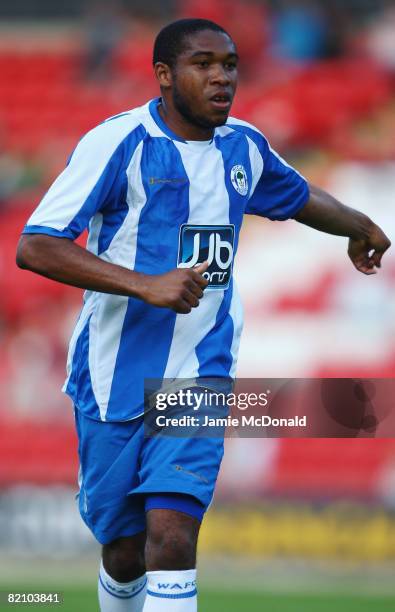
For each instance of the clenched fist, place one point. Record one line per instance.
(180, 289)
(366, 253)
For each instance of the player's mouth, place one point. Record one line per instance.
(221, 101)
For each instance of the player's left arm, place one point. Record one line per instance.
(367, 241)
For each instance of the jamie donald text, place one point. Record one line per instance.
(205, 409)
(230, 421)
(270, 407)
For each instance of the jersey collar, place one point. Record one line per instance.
(153, 109)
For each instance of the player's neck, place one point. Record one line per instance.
(181, 126)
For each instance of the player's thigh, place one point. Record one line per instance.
(109, 457)
(182, 460)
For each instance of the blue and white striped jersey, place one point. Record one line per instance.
(151, 202)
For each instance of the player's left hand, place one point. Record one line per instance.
(366, 253)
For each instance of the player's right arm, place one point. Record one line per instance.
(94, 182)
(62, 260)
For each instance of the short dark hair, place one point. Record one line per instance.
(170, 41)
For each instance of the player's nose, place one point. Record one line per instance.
(219, 75)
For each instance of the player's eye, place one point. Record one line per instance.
(203, 64)
(230, 66)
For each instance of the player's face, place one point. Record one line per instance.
(205, 79)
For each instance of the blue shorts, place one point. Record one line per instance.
(123, 474)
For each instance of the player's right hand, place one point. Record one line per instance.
(366, 253)
(181, 289)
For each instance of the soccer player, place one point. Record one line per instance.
(163, 189)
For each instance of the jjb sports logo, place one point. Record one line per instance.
(212, 243)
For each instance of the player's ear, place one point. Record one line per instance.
(163, 74)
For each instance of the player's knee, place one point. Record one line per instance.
(171, 549)
(124, 559)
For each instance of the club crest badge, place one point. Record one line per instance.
(238, 176)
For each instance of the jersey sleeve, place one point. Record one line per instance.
(278, 191)
(88, 184)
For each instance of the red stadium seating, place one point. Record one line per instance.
(45, 99)
(37, 453)
(329, 468)
(41, 92)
